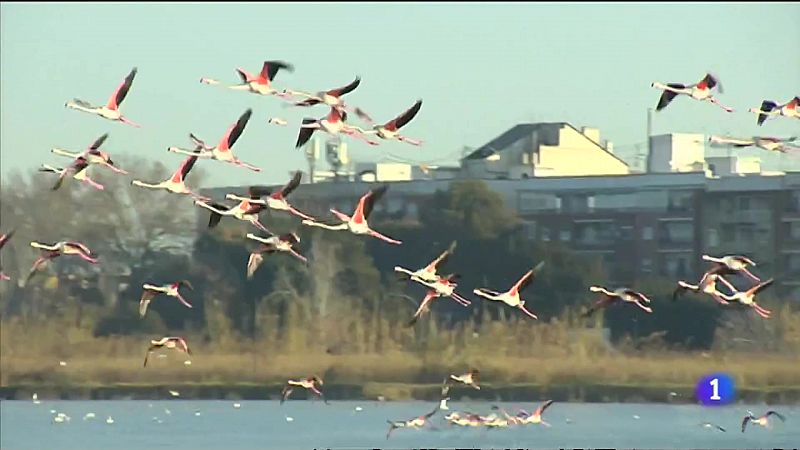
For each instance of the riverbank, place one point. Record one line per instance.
(597, 393)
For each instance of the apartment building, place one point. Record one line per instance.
(656, 223)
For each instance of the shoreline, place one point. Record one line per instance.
(597, 393)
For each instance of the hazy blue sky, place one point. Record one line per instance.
(480, 68)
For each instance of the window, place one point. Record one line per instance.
(713, 238)
(744, 203)
(794, 202)
(680, 201)
(565, 235)
(412, 210)
(530, 229)
(545, 234)
(676, 232)
(595, 233)
(792, 261)
(578, 203)
(675, 265)
(794, 230)
(533, 201)
(647, 233)
(746, 233)
(646, 265)
(626, 232)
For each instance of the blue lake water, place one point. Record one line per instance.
(264, 425)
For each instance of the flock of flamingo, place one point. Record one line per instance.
(259, 198)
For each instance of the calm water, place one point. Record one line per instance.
(263, 424)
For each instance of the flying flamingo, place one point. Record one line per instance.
(111, 110)
(330, 97)
(427, 273)
(3, 241)
(389, 130)
(223, 151)
(357, 224)
(258, 84)
(58, 249)
(770, 108)
(468, 379)
(707, 285)
(333, 124)
(275, 200)
(312, 383)
(170, 343)
(172, 290)
(511, 297)
(698, 91)
(443, 287)
(177, 182)
(620, 294)
(536, 417)
(730, 264)
(93, 155)
(78, 169)
(242, 211)
(747, 298)
(763, 420)
(770, 144)
(417, 422)
(282, 243)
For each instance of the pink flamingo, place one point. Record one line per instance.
(272, 244)
(260, 83)
(511, 297)
(78, 169)
(222, 152)
(330, 97)
(748, 298)
(172, 290)
(170, 343)
(770, 108)
(333, 124)
(620, 294)
(93, 155)
(58, 249)
(698, 91)
(443, 287)
(275, 200)
(357, 224)
(3, 241)
(389, 130)
(177, 182)
(111, 110)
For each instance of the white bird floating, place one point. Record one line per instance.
(110, 420)
(89, 416)
(175, 393)
(289, 419)
(358, 408)
(35, 398)
(237, 405)
(62, 363)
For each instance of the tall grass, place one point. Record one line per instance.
(359, 349)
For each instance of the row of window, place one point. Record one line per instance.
(608, 233)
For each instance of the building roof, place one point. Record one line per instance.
(522, 130)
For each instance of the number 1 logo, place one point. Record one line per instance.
(715, 389)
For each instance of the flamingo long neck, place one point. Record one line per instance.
(147, 185)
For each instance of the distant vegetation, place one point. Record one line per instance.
(344, 317)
